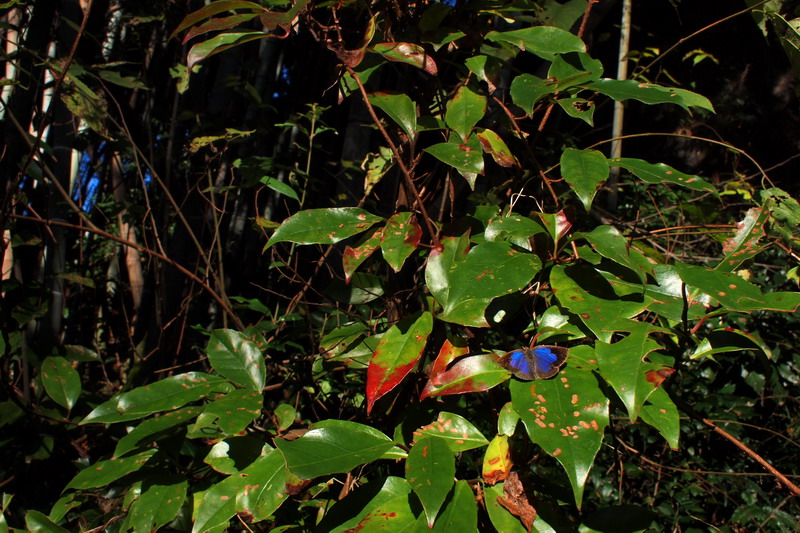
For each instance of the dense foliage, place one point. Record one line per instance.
(333, 266)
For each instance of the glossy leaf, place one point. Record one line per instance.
(214, 8)
(410, 53)
(661, 173)
(455, 430)
(228, 415)
(396, 355)
(649, 93)
(578, 108)
(661, 413)
(400, 238)
(585, 171)
(399, 107)
(430, 469)
(448, 353)
(61, 381)
(726, 340)
(165, 395)
(102, 473)
(501, 519)
(527, 89)
(265, 491)
(465, 288)
(220, 43)
(733, 292)
(460, 511)
(623, 365)
(609, 242)
(323, 226)
(513, 228)
(352, 258)
(333, 446)
(157, 505)
(232, 455)
(219, 24)
(495, 146)
(237, 358)
(380, 505)
(218, 504)
(585, 292)
(466, 158)
(543, 41)
(476, 373)
(487, 69)
(36, 522)
(464, 111)
(744, 243)
(150, 430)
(497, 460)
(566, 416)
(570, 70)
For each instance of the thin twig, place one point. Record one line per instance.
(406, 174)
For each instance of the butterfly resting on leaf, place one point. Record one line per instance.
(539, 362)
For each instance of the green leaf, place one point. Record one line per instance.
(323, 226)
(455, 430)
(609, 242)
(544, 41)
(430, 469)
(661, 413)
(103, 473)
(400, 238)
(527, 89)
(465, 288)
(333, 446)
(36, 522)
(149, 431)
(410, 53)
(649, 93)
(228, 415)
(399, 107)
(265, 493)
(466, 158)
(725, 340)
(279, 187)
(218, 503)
(220, 43)
(396, 355)
(157, 505)
(237, 358)
(495, 146)
(460, 512)
(61, 381)
(165, 395)
(661, 173)
(232, 455)
(578, 108)
(502, 520)
(623, 365)
(380, 505)
(566, 416)
(574, 69)
(585, 171)
(513, 228)
(464, 110)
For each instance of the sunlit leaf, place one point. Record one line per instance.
(585, 171)
(323, 226)
(455, 430)
(400, 238)
(333, 446)
(237, 358)
(398, 351)
(399, 107)
(649, 93)
(430, 469)
(464, 111)
(61, 381)
(102, 473)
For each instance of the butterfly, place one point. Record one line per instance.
(540, 362)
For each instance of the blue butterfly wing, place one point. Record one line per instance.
(547, 360)
(520, 363)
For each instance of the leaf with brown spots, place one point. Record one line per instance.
(566, 416)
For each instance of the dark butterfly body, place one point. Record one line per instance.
(539, 362)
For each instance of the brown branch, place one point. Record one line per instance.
(404, 170)
(739, 444)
